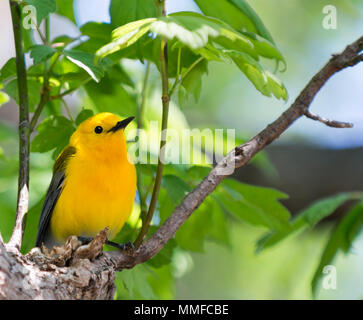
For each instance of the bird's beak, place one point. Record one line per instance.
(121, 124)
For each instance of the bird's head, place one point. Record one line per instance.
(102, 133)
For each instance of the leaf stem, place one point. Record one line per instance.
(140, 120)
(182, 77)
(61, 95)
(68, 111)
(140, 125)
(164, 124)
(23, 179)
(44, 98)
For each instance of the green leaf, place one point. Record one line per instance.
(43, 7)
(201, 35)
(164, 256)
(83, 115)
(192, 82)
(65, 8)
(97, 30)
(125, 36)
(207, 222)
(255, 205)
(176, 188)
(134, 284)
(8, 70)
(40, 53)
(110, 96)
(125, 11)
(237, 13)
(341, 239)
(219, 229)
(263, 80)
(251, 14)
(99, 34)
(85, 60)
(323, 208)
(194, 31)
(53, 132)
(197, 173)
(307, 218)
(192, 234)
(11, 88)
(31, 229)
(117, 73)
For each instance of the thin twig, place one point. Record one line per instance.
(44, 94)
(61, 95)
(140, 125)
(42, 37)
(329, 123)
(164, 124)
(182, 77)
(140, 118)
(68, 111)
(23, 179)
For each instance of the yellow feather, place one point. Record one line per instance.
(100, 182)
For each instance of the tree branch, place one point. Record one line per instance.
(237, 158)
(329, 123)
(23, 180)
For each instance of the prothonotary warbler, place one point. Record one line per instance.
(93, 184)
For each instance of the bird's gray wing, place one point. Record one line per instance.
(53, 193)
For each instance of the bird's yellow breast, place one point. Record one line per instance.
(97, 193)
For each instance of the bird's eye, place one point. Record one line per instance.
(98, 129)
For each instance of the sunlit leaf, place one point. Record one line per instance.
(237, 13)
(262, 79)
(85, 61)
(4, 98)
(125, 36)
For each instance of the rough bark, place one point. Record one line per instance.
(85, 272)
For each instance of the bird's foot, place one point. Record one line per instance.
(85, 240)
(128, 246)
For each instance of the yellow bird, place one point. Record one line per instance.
(93, 184)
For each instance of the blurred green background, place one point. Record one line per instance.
(228, 100)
